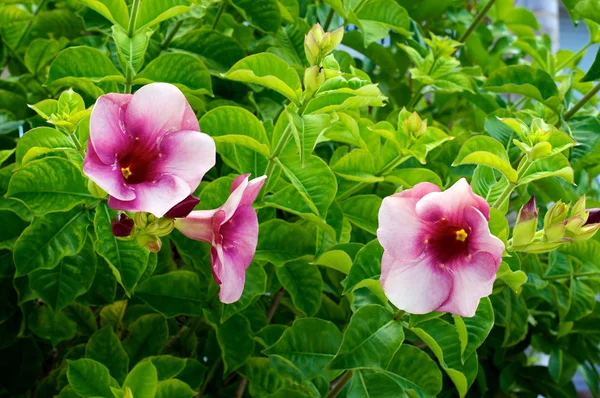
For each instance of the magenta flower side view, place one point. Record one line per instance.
(146, 150)
(232, 230)
(439, 254)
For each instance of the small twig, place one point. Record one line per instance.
(171, 35)
(274, 305)
(329, 19)
(173, 339)
(582, 102)
(476, 21)
(567, 276)
(26, 31)
(219, 13)
(239, 393)
(339, 386)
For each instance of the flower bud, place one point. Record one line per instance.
(160, 227)
(95, 190)
(579, 209)
(556, 214)
(540, 150)
(414, 126)
(314, 77)
(122, 225)
(526, 225)
(141, 220)
(152, 243)
(183, 208)
(318, 43)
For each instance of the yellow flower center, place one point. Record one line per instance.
(126, 172)
(461, 235)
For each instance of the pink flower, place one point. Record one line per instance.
(232, 230)
(439, 254)
(146, 150)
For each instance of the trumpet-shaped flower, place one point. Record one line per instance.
(232, 230)
(439, 254)
(146, 150)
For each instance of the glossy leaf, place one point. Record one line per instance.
(304, 284)
(172, 294)
(105, 347)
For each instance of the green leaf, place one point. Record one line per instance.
(59, 286)
(254, 286)
(525, 80)
(362, 210)
(175, 293)
(54, 327)
(370, 341)
(308, 345)
(304, 283)
(113, 10)
(236, 344)
(233, 127)
(156, 11)
(66, 68)
(408, 178)
(127, 259)
(431, 139)
(167, 366)
(105, 347)
(278, 251)
(174, 389)
(374, 385)
(473, 331)
(510, 311)
(43, 137)
(306, 130)
(131, 50)
(147, 336)
(90, 378)
(314, 181)
(443, 339)
(264, 14)
(376, 17)
(183, 70)
(583, 300)
(41, 51)
(270, 71)
(358, 165)
(142, 380)
(49, 239)
(61, 187)
(514, 279)
(486, 151)
(415, 371)
(557, 165)
(366, 265)
(218, 51)
(112, 315)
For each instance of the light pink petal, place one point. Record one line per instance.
(155, 197)
(252, 189)
(158, 109)
(418, 286)
(401, 232)
(108, 177)
(197, 225)
(240, 236)
(418, 191)
(451, 204)
(187, 154)
(237, 181)
(473, 278)
(108, 134)
(235, 199)
(480, 239)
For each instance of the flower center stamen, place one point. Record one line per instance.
(461, 235)
(126, 171)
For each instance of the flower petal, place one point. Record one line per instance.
(451, 204)
(240, 236)
(480, 239)
(400, 230)
(183, 208)
(155, 197)
(473, 278)
(108, 134)
(108, 177)
(418, 286)
(197, 225)
(188, 154)
(157, 109)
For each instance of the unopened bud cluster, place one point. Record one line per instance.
(560, 226)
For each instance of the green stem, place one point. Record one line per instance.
(129, 73)
(222, 8)
(414, 100)
(26, 31)
(591, 94)
(505, 195)
(575, 56)
(135, 8)
(339, 386)
(478, 18)
(171, 35)
(329, 19)
(272, 160)
(519, 102)
(568, 276)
